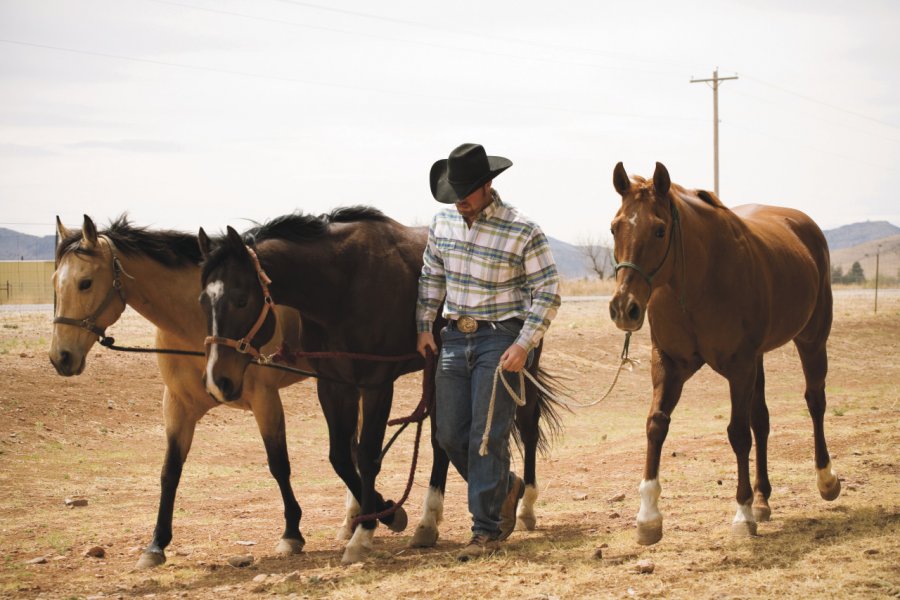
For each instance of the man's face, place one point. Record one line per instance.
(474, 203)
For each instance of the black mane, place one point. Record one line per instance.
(293, 227)
(298, 226)
(167, 247)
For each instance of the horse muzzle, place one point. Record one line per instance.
(626, 312)
(67, 363)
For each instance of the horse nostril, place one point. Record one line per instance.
(613, 313)
(634, 311)
(225, 386)
(65, 359)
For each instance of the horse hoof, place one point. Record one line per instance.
(743, 528)
(833, 491)
(649, 533)
(354, 554)
(288, 546)
(528, 522)
(399, 522)
(424, 537)
(762, 513)
(149, 560)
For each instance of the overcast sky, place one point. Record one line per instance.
(190, 113)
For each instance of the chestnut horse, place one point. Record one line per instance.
(353, 276)
(721, 287)
(157, 273)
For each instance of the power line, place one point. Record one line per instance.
(817, 101)
(340, 86)
(470, 49)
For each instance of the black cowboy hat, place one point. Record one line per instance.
(468, 168)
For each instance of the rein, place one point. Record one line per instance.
(519, 398)
(648, 277)
(89, 323)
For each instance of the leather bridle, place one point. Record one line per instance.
(245, 344)
(89, 323)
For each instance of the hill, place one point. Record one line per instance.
(889, 259)
(854, 234)
(15, 245)
(570, 260)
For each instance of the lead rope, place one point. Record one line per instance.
(519, 397)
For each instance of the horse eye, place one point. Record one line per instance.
(661, 232)
(241, 301)
(84, 284)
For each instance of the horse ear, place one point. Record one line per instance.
(89, 233)
(620, 179)
(61, 230)
(661, 180)
(204, 243)
(234, 237)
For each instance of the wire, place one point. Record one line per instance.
(817, 101)
(474, 50)
(342, 86)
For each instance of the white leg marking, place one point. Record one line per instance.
(359, 546)
(744, 522)
(526, 507)
(650, 491)
(352, 506)
(214, 290)
(433, 512)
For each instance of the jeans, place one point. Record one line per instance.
(464, 379)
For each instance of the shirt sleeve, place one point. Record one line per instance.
(543, 279)
(432, 284)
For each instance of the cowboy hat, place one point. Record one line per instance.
(468, 168)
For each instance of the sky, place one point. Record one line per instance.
(190, 113)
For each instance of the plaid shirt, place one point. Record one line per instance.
(499, 269)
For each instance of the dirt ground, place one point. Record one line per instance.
(100, 436)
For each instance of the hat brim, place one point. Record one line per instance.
(448, 193)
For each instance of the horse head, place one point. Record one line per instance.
(89, 296)
(643, 231)
(236, 301)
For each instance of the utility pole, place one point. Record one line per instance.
(715, 88)
(877, 256)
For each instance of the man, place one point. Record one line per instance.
(495, 273)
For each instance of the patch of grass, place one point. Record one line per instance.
(838, 412)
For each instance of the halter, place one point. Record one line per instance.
(90, 323)
(245, 345)
(648, 277)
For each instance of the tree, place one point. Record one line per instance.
(855, 274)
(599, 254)
(837, 274)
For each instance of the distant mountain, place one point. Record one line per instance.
(859, 233)
(15, 245)
(571, 261)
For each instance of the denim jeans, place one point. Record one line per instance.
(464, 379)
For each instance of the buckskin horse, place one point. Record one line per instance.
(353, 276)
(157, 273)
(721, 287)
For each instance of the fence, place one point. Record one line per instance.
(26, 282)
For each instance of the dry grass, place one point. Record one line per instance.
(100, 435)
(587, 287)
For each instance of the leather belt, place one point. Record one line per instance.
(466, 324)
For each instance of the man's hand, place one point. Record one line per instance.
(425, 340)
(513, 359)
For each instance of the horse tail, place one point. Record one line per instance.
(539, 420)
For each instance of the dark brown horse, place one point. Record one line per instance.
(353, 276)
(721, 287)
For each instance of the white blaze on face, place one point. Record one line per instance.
(214, 291)
(633, 219)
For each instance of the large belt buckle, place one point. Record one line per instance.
(467, 324)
